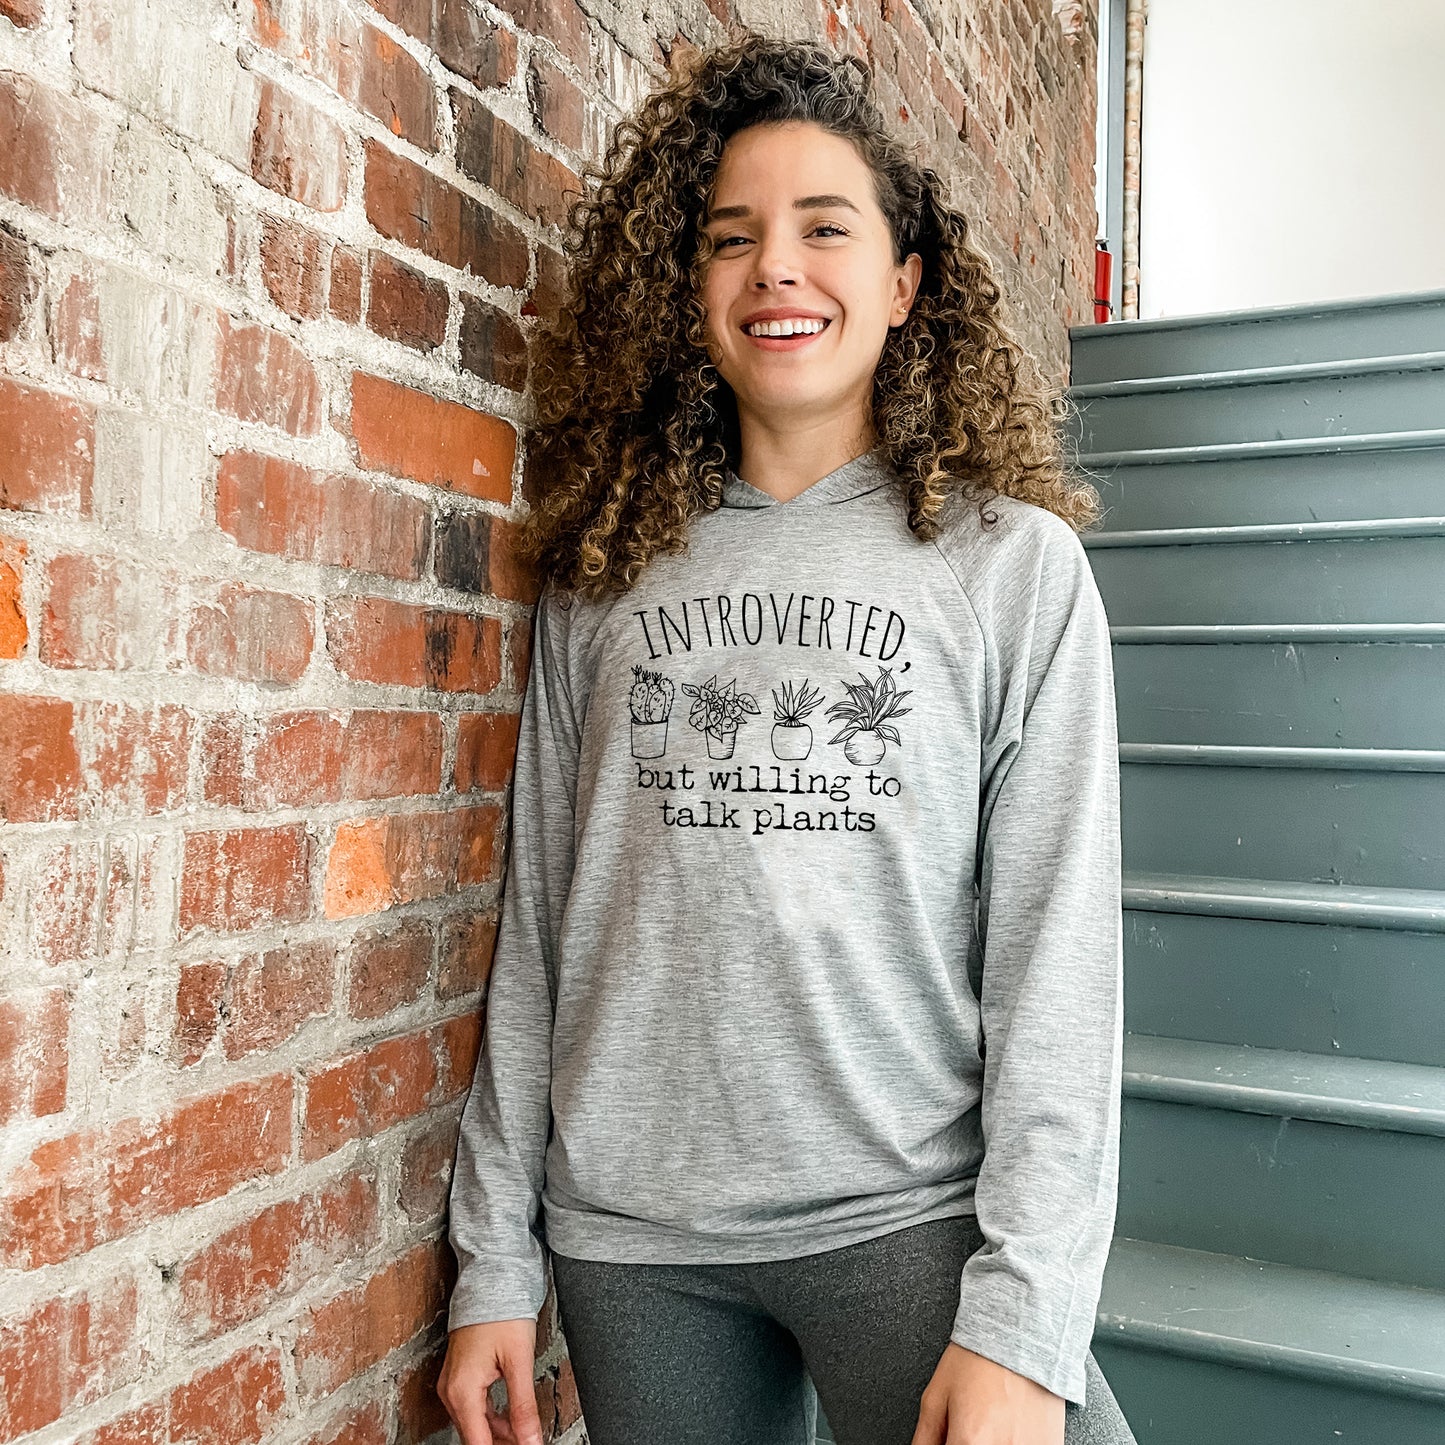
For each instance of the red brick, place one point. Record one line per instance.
(306, 758)
(389, 969)
(135, 872)
(406, 306)
(23, 12)
(486, 751)
(65, 1353)
(200, 1003)
(362, 1326)
(345, 299)
(222, 762)
(395, 89)
(467, 944)
(145, 1425)
(57, 152)
(14, 630)
(239, 878)
(367, 1425)
(34, 1053)
(75, 334)
(85, 1189)
(420, 1412)
(276, 506)
(411, 434)
(139, 758)
(65, 899)
(39, 765)
(557, 105)
(265, 377)
(492, 344)
(378, 863)
(561, 21)
(298, 151)
(235, 1403)
(363, 1094)
(17, 284)
(503, 159)
(375, 639)
(252, 636)
(407, 203)
(509, 574)
(458, 1041)
(48, 461)
(462, 38)
(295, 267)
(272, 1255)
(551, 287)
(108, 613)
(426, 1170)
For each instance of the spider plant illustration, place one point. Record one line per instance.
(792, 737)
(866, 712)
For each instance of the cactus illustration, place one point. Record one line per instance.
(650, 699)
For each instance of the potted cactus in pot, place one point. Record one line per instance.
(866, 730)
(792, 737)
(717, 712)
(651, 701)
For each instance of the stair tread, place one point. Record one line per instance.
(1334, 1088)
(1288, 371)
(1257, 1312)
(1268, 447)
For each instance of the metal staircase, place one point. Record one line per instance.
(1272, 560)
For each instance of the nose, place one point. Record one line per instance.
(774, 262)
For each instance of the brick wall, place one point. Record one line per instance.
(266, 272)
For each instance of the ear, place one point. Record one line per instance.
(910, 274)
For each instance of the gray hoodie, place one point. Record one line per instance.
(768, 975)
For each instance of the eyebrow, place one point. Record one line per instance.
(803, 203)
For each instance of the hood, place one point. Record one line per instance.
(864, 473)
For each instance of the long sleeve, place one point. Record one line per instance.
(1051, 933)
(496, 1189)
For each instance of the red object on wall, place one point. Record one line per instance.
(1103, 273)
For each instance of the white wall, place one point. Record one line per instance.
(1291, 150)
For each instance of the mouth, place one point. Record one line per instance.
(786, 343)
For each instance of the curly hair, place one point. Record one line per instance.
(633, 427)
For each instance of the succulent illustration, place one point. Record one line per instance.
(792, 707)
(651, 695)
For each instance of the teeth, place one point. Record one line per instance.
(785, 328)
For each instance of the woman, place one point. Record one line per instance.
(814, 879)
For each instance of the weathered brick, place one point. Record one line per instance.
(57, 152)
(34, 1053)
(407, 203)
(85, 1189)
(65, 896)
(252, 635)
(502, 158)
(237, 1402)
(17, 283)
(492, 344)
(420, 1412)
(379, 863)
(426, 1170)
(556, 104)
(461, 37)
(48, 461)
(508, 574)
(23, 12)
(410, 434)
(468, 942)
(39, 764)
(238, 878)
(363, 1094)
(67, 1352)
(366, 1425)
(486, 751)
(361, 1326)
(295, 266)
(458, 1042)
(375, 639)
(563, 22)
(345, 299)
(297, 150)
(14, 629)
(138, 758)
(405, 305)
(270, 1256)
(265, 377)
(276, 506)
(389, 968)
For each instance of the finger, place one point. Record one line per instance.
(522, 1398)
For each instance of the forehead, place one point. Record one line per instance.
(799, 161)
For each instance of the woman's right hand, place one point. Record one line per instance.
(477, 1357)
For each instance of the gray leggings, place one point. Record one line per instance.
(741, 1354)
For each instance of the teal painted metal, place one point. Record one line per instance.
(1272, 558)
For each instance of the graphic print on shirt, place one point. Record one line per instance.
(720, 711)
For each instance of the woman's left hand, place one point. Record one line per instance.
(972, 1400)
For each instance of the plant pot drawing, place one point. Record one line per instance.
(865, 748)
(792, 741)
(720, 745)
(649, 739)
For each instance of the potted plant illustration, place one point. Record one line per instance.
(866, 712)
(792, 737)
(651, 701)
(717, 712)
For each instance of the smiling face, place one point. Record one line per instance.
(798, 231)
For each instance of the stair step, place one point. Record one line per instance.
(1246, 490)
(1284, 900)
(1274, 405)
(1323, 579)
(1260, 375)
(1259, 336)
(1258, 1315)
(1151, 634)
(1312, 825)
(1224, 451)
(1367, 1093)
(1355, 529)
(1275, 694)
(1363, 760)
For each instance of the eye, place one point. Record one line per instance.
(821, 226)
